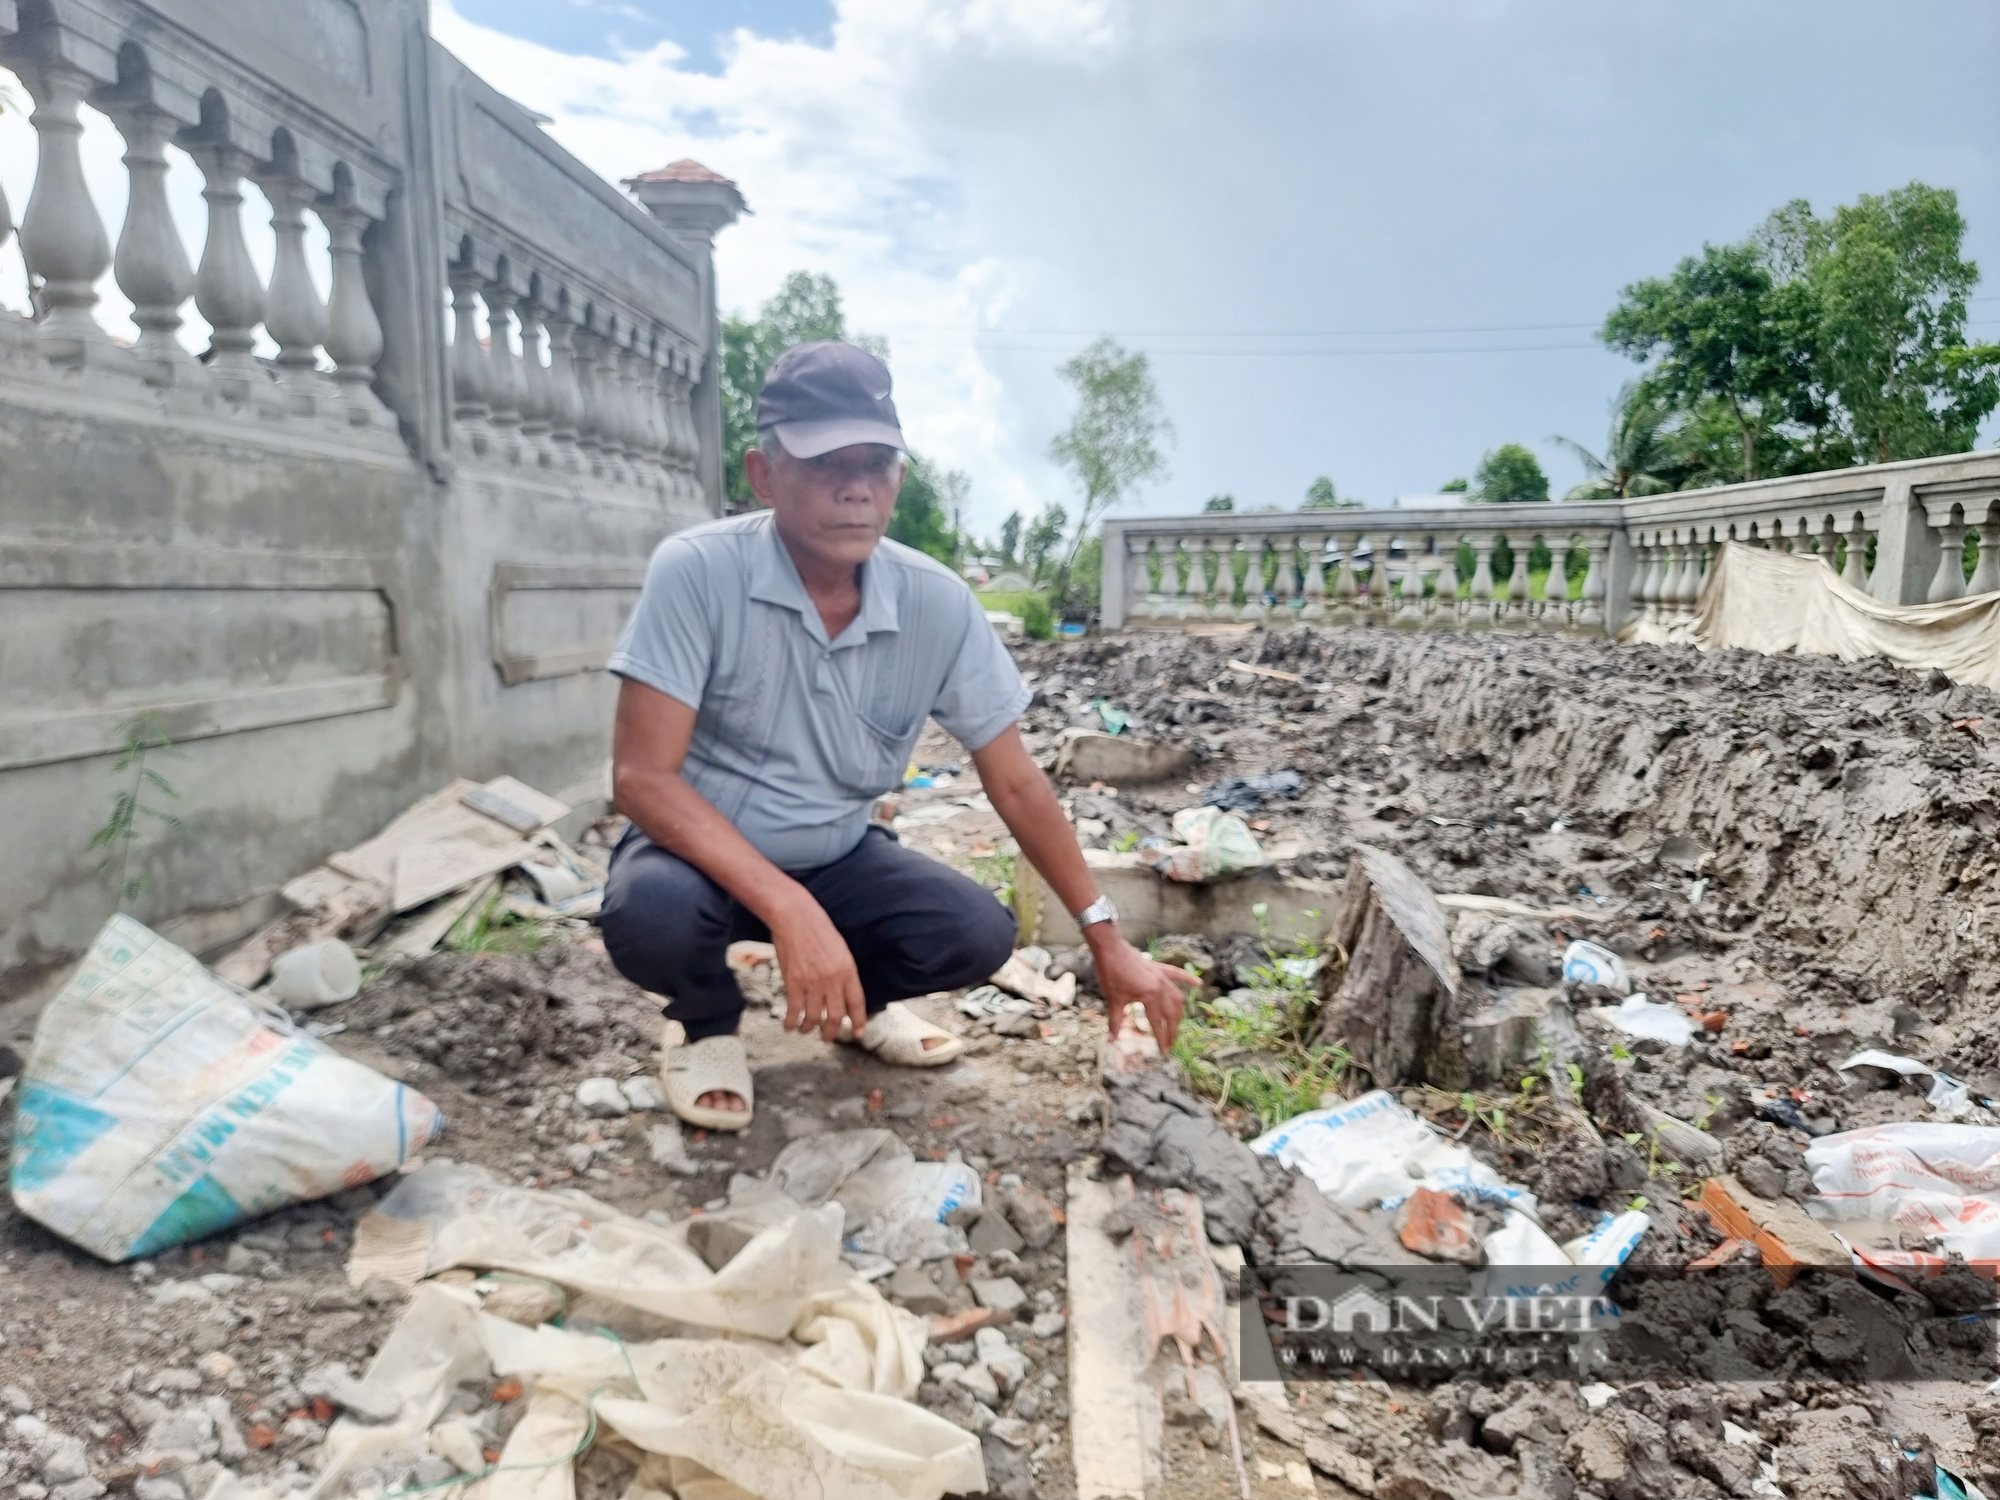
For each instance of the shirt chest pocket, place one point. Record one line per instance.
(872, 740)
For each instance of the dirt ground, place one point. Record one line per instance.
(1805, 848)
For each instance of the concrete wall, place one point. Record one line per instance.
(332, 592)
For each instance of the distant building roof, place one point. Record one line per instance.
(687, 169)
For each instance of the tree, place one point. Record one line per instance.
(1042, 540)
(1217, 504)
(1113, 442)
(1454, 486)
(1891, 301)
(1510, 474)
(1721, 330)
(1010, 538)
(1641, 453)
(924, 509)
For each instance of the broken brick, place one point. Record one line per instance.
(1436, 1225)
(507, 1390)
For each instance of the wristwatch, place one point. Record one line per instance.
(1100, 910)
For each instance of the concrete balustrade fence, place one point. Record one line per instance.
(361, 541)
(1897, 531)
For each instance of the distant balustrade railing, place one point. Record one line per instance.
(1924, 530)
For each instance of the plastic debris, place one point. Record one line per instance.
(318, 974)
(1372, 1150)
(894, 1204)
(1249, 793)
(1947, 1095)
(160, 1105)
(1932, 1177)
(1212, 844)
(1587, 963)
(1115, 719)
(1649, 1021)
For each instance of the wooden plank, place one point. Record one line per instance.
(516, 804)
(424, 934)
(437, 867)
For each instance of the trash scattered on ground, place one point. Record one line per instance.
(1371, 1151)
(318, 974)
(1247, 794)
(1023, 975)
(896, 1206)
(158, 1105)
(1587, 963)
(1209, 845)
(1947, 1095)
(1089, 755)
(1115, 719)
(1929, 1177)
(1641, 1017)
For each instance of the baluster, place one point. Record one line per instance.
(536, 398)
(1645, 585)
(565, 398)
(652, 422)
(151, 263)
(1481, 613)
(503, 392)
(1692, 567)
(294, 316)
(1138, 577)
(226, 288)
(1285, 580)
(1365, 598)
(1517, 582)
(619, 368)
(62, 236)
(1986, 572)
(1313, 549)
(1854, 570)
(681, 447)
(1197, 577)
(1156, 579)
(1409, 609)
(1590, 608)
(1253, 579)
(354, 333)
(469, 375)
(584, 347)
(1949, 581)
(1346, 587)
(1444, 603)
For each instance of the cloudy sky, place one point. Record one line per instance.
(1363, 238)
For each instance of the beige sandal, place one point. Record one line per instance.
(713, 1065)
(896, 1034)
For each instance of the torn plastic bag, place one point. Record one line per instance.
(160, 1105)
(1648, 1021)
(1212, 844)
(894, 1204)
(1372, 1150)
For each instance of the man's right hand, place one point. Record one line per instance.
(822, 986)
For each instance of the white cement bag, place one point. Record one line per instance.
(159, 1105)
(1372, 1150)
(1927, 1176)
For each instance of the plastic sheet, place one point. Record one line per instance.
(1932, 1177)
(1372, 1150)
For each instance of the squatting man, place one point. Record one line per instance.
(775, 675)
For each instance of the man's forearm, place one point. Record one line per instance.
(1027, 804)
(683, 822)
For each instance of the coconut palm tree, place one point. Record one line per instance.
(1641, 453)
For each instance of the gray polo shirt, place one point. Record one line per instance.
(795, 735)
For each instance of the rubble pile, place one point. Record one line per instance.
(1612, 939)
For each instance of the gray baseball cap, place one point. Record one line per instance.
(827, 395)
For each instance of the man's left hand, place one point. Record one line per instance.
(1126, 977)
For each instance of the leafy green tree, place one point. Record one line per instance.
(1042, 540)
(1891, 297)
(924, 509)
(1217, 504)
(1320, 495)
(1457, 486)
(1113, 442)
(1085, 589)
(1720, 329)
(1010, 538)
(1510, 474)
(1641, 454)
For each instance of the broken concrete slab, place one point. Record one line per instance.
(1150, 905)
(1087, 755)
(1107, 1355)
(1395, 1005)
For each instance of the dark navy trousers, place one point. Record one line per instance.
(914, 926)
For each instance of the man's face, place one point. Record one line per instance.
(835, 507)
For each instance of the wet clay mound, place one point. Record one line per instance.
(1841, 814)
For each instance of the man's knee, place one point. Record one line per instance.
(980, 939)
(656, 909)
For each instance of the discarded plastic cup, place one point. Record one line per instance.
(317, 974)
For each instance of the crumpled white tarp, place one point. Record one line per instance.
(783, 1376)
(1772, 601)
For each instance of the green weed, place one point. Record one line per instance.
(144, 739)
(487, 929)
